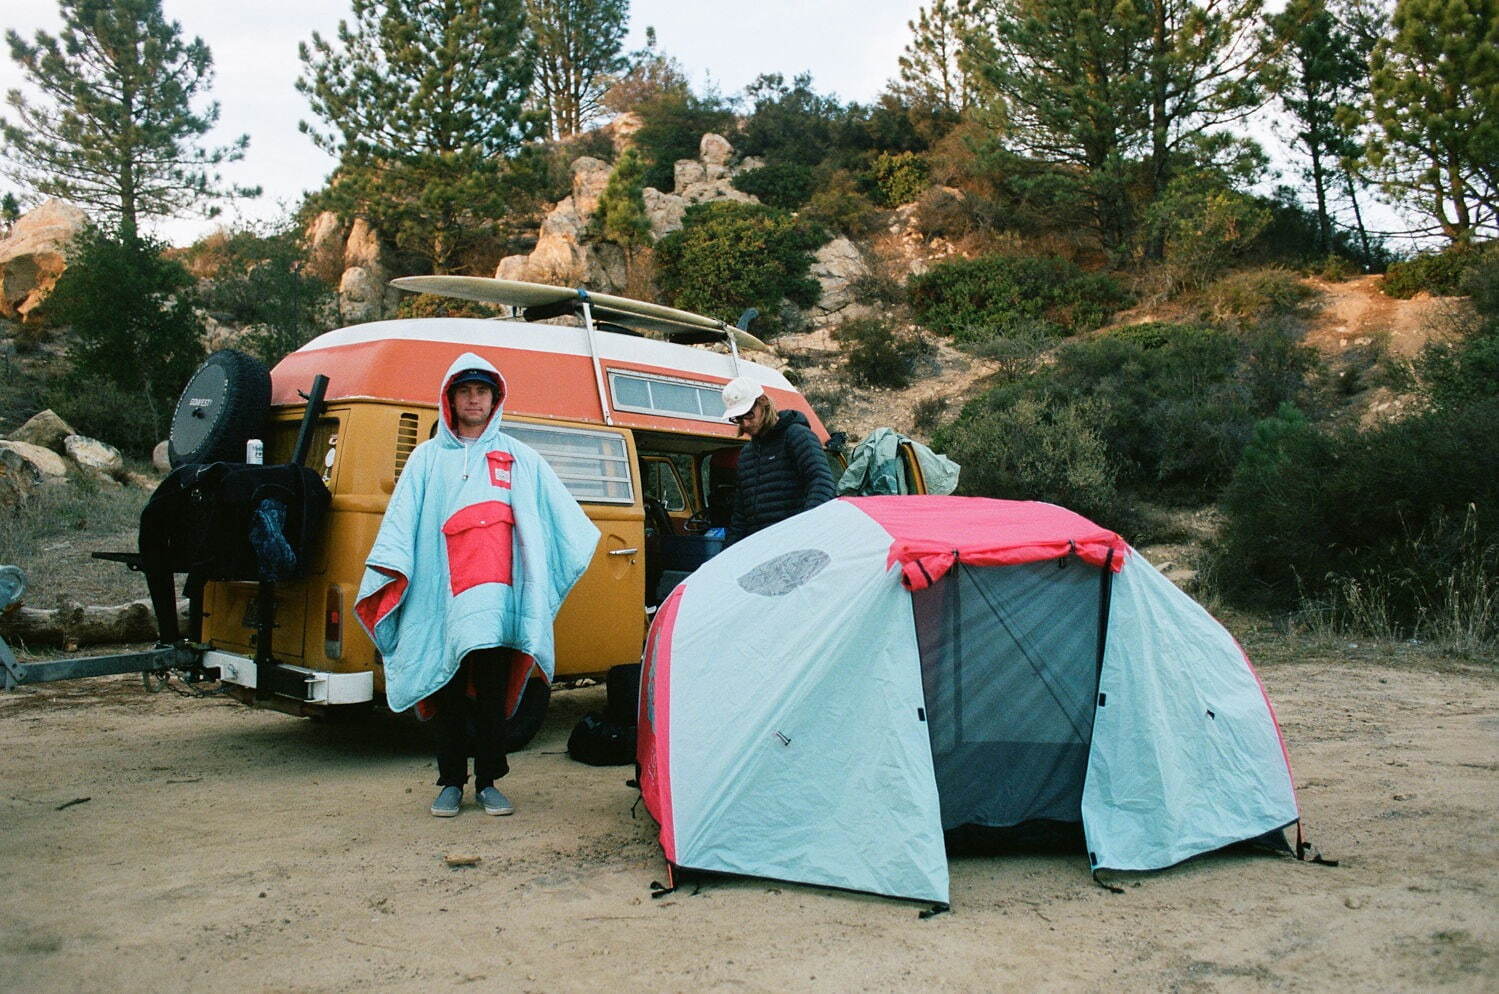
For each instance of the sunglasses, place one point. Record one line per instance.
(740, 419)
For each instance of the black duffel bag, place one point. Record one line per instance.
(599, 742)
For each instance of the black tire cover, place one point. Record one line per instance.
(224, 404)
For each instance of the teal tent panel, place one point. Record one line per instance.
(1186, 757)
(799, 749)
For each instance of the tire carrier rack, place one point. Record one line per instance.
(173, 653)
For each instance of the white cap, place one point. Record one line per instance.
(739, 395)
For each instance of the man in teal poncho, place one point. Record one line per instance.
(479, 545)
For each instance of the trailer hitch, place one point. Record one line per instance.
(184, 658)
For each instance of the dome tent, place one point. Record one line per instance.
(822, 701)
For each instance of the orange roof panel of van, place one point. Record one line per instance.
(547, 368)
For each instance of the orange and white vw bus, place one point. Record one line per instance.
(633, 425)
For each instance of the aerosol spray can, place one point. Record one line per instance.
(255, 452)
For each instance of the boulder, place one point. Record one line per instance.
(665, 211)
(48, 464)
(514, 267)
(19, 479)
(363, 248)
(45, 429)
(34, 255)
(837, 266)
(361, 295)
(687, 172)
(622, 129)
(325, 240)
(715, 150)
(92, 454)
(590, 176)
(160, 461)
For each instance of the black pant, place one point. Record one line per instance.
(474, 724)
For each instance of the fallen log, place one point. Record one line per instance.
(71, 624)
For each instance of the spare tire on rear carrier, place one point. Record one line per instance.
(224, 405)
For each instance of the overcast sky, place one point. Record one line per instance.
(850, 46)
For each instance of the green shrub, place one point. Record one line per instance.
(841, 206)
(1258, 294)
(729, 256)
(260, 284)
(929, 413)
(137, 336)
(106, 411)
(1441, 274)
(431, 305)
(878, 356)
(1036, 450)
(899, 177)
(1157, 334)
(1172, 409)
(1399, 522)
(1205, 228)
(786, 185)
(1453, 374)
(972, 299)
(1334, 269)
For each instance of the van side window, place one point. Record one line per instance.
(593, 465)
(660, 395)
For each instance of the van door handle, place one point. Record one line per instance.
(623, 552)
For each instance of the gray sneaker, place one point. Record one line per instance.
(494, 802)
(448, 801)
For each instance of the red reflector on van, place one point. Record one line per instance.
(333, 626)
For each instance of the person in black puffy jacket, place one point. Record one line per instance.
(782, 469)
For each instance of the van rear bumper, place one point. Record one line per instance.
(295, 682)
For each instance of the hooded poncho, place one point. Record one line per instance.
(480, 544)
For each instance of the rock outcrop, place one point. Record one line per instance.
(566, 255)
(34, 255)
(351, 258)
(837, 267)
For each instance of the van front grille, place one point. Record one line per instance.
(405, 441)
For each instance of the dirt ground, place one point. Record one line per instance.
(159, 842)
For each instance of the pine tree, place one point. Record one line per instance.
(1098, 85)
(933, 72)
(1070, 79)
(117, 131)
(1319, 72)
(621, 216)
(1435, 86)
(425, 100)
(578, 47)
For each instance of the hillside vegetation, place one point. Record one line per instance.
(1019, 251)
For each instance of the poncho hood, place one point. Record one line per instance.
(447, 429)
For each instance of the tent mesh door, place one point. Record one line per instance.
(1009, 668)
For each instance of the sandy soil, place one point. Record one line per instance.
(225, 849)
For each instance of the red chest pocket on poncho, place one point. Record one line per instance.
(480, 540)
(499, 468)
